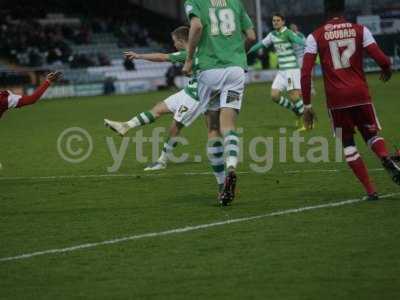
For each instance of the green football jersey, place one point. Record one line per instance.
(283, 42)
(222, 42)
(191, 89)
(299, 49)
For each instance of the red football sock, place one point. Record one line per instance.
(377, 144)
(356, 163)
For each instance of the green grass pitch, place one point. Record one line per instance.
(345, 252)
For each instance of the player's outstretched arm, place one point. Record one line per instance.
(196, 30)
(256, 47)
(295, 39)
(154, 57)
(265, 43)
(31, 99)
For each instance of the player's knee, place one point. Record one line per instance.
(214, 133)
(369, 136)
(159, 110)
(294, 95)
(213, 127)
(275, 97)
(372, 140)
(351, 153)
(155, 111)
(348, 141)
(349, 148)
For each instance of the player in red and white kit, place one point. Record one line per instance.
(341, 46)
(9, 100)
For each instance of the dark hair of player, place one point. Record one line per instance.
(279, 15)
(181, 33)
(334, 7)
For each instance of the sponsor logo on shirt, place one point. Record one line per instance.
(328, 27)
(331, 27)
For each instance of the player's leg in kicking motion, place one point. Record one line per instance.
(186, 110)
(168, 147)
(143, 118)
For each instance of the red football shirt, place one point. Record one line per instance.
(3, 102)
(8, 100)
(340, 45)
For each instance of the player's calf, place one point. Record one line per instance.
(144, 118)
(297, 102)
(281, 100)
(377, 145)
(215, 154)
(231, 149)
(358, 166)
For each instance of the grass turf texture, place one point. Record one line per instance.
(348, 252)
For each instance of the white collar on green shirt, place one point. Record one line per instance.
(283, 29)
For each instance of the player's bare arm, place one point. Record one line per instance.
(154, 57)
(196, 30)
(37, 94)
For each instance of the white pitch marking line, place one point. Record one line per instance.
(163, 174)
(186, 229)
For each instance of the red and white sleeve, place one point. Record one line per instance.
(310, 54)
(31, 99)
(13, 100)
(374, 51)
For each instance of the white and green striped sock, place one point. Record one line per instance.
(231, 148)
(298, 107)
(141, 119)
(169, 145)
(215, 154)
(286, 103)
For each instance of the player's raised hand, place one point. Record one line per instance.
(187, 68)
(309, 118)
(54, 76)
(131, 55)
(386, 75)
